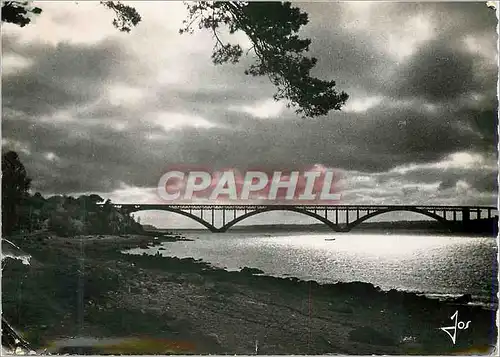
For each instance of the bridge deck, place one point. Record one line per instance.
(328, 214)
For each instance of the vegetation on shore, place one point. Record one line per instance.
(23, 212)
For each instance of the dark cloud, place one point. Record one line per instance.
(484, 122)
(441, 69)
(60, 76)
(462, 18)
(372, 142)
(447, 183)
(481, 178)
(346, 58)
(436, 73)
(89, 158)
(349, 58)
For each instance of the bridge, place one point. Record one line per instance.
(330, 215)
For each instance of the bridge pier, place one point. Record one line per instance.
(465, 214)
(465, 218)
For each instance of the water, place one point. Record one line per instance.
(434, 265)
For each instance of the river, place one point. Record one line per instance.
(434, 265)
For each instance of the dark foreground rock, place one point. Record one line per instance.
(152, 304)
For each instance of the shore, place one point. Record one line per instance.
(85, 286)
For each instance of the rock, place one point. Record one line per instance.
(251, 271)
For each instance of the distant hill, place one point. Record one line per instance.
(483, 226)
(366, 226)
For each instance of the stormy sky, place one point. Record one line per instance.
(90, 109)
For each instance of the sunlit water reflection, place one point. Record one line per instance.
(438, 265)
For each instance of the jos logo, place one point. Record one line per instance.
(458, 325)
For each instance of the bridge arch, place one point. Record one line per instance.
(324, 220)
(210, 227)
(424, 212)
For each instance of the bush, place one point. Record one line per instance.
(65, 226)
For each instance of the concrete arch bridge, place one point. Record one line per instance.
(340, 218)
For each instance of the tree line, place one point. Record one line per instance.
(64, 215)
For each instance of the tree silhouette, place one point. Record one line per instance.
(272, 28)
(15, 186)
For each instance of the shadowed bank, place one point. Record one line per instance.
(142, 298)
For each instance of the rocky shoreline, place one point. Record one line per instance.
(188, 303)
